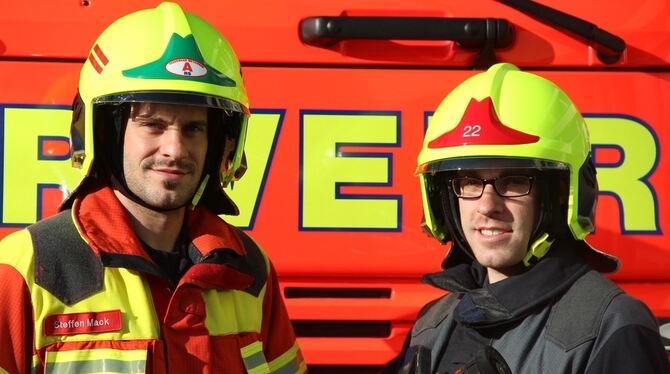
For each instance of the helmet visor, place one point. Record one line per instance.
(178, 98)
(479, 163)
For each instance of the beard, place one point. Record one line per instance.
(163, 194)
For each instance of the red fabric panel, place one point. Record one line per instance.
(226, 352)
(185, 333)
(16, 322)
(276, 331)
(208, 231)
(104, 223)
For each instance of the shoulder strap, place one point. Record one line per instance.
(64, 264)
(576, 317)
(255, 261)
(434, 313)
(428, 334)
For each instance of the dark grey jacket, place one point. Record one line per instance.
(558, 317)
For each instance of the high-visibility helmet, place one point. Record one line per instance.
(163, 55)
(506, 118)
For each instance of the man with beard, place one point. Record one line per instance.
(138, 273)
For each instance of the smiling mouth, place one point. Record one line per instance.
(170, 175)
(491, 232)
(171, 171)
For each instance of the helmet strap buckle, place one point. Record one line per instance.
(537, 250)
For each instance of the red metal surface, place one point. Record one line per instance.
(267, 31)
(41, 45)
(395, 258)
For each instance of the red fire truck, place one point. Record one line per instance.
(341, 92)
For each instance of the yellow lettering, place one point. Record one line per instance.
(627, 179)
(29, 165)
(261, 141)
(326, 169)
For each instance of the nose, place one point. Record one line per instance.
(173, 144)
(490, 202)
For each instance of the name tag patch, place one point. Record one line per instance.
(79, 323)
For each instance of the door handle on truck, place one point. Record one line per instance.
(484, 33)
(609, 47)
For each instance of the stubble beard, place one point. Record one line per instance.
(167, 194)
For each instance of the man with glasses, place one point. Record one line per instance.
(507, 178)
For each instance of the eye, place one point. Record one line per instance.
(195, 128)
(467, 187)
(152, 126)
(514, 185)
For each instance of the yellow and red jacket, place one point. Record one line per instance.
(80, 294)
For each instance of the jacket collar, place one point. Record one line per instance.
(511, 299)
(105, 225)
(597, 259)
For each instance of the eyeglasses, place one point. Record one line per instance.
(507, 186)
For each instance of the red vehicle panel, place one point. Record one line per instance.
(335, 131)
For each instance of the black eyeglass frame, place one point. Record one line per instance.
(492, 181)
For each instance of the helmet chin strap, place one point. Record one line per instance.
(537, 250)
(541, 245)
(198, 193)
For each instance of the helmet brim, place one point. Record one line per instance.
(481, 163)
(177, 98)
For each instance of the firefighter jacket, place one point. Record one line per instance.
(80, 294)
(560, 316)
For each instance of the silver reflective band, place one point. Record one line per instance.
(288, 368)
(255, 360)
(97, 366)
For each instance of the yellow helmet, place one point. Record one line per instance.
(506, 118)
(161, 55)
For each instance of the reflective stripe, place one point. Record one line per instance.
(254, 359)
(289, 362)
(96, 361)
(97, 366)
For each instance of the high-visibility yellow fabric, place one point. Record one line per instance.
(96, 361)
(232, 311)
(254, 359)
(289, 362)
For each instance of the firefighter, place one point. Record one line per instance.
(507, 177)
(137, 273)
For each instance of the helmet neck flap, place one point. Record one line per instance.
(111, 121)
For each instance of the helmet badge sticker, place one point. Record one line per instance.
(181, 60)
(98, 59)
(480, 126)
(186, 67)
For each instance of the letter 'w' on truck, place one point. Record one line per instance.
(341, 93)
